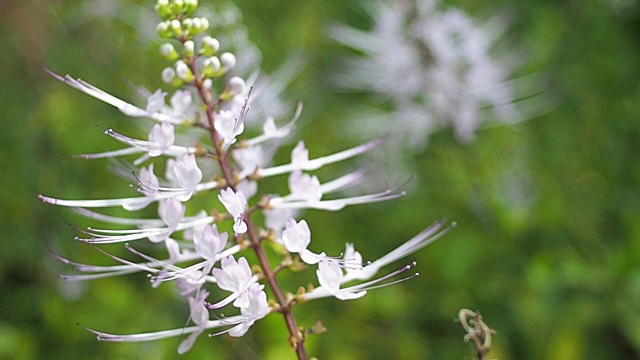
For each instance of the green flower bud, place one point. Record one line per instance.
(164, 30)
(189, 48)
(212, 67)
(163, 9)
(209, 46)
(177, 7)
(176, 28)
(169, 52)
(190, 6)
(183, 72)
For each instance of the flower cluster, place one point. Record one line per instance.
(437, 68)
(205, 250)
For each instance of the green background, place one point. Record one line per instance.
(556, 272)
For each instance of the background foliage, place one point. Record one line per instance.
(548, 242)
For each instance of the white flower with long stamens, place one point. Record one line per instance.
(300, 161)
(155, 145)
(228, 126)
(256, 308)
(163, 136)
(236, 205)
(190, 284)
(199, 314)
(331, 279)
(330, 275)
(304, 187)
(209, 243)
(121, 105)
(152, 336)
(333, 205)
(148, 185)
(424, 238)
(148, 179)
(296, 237)
(234, 276)
(185, 174)
(182, 104)
(271, 131)
(171, 211)
(155, 102)
(250, 159)
(353, 258)
(149, 228)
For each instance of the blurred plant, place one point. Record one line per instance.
(209, 107)
(430, 67)
(477, 332)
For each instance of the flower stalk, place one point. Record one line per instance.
(196, 241)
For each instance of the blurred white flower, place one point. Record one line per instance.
(436, 66)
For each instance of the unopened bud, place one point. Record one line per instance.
(207, 84)
(235, 85)
(163, 9)
(189, 48)
(168, 74)
(163, 30)
(203, 25)
(210, 46)
(228, 61)
(169, 52)
(212, 67)
(190, 6)
(182, 71)
(176, 27)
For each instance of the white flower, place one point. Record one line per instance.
(330, 276)
(171, 211)
(209, 243)
(199, 314)
(276, 218)
(304, 186)
(163, 136)
(124, 107)
(154, 229)
(228, 126)
(185, 174)
(250, 159)
(181, 104)
(296, 237)
(299, 154)
(257, 307)
(437, 65)
(236, 277)
(236, 205)
(155, 102)
(300, 159)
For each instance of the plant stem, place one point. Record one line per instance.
(296, 340)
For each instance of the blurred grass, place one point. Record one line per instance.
(548, 239)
